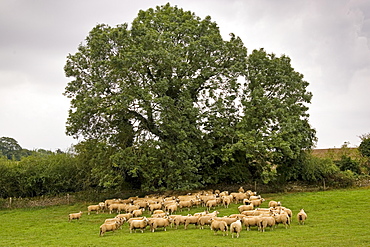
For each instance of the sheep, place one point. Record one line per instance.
(93, 208)
(204, 220)
(228, 220)
(154, 206)
(239, 196)
(211, 204)
(191, 220)
(108, 227)
(158, 211)
(137, 213)
(138, 224)
(267, 221)
(171, 208)
(274, 204)
(219, 225)
(117, 220)
(301, 217)
(159, 222)
(224, 193)
(214, 213)
(249, 221)
(241, 190)
(179, 220)
(257, 202)
(242, 208)
(124, 216)
(282, 218)
(185, 204)
(226, 200)
(236, 227)
(102, 206)
(117, 207)
(159, 215)
(131, 208)
(75, 216)
(251, 198)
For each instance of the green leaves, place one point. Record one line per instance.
(168, 96)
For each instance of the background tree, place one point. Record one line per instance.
(167, 96)
(149, 86)
(10, 148)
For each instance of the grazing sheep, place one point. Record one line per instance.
(249, 221)
(154, 206)
(75, 216)
(158, 222)
(267, 221)
(257, 202)
(137, 213)
(228, 220)
(194, 220)
(126, 217)
(239, 197)
(179, 220)
(131, 208)
(92, 208)
(282, 218)
(226, 200)
(108, 227)
(158, 211)
(171, 208)
(138, 224)
(274, 204)
(236, 227)
(117, 207)
(102, 206)
(242, 208)
(211, 204)
(204, 220)
(301, 217)
(185, 204)
(219, 225)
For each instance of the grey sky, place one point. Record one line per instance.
(328, 42)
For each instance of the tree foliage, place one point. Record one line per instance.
(180, 107)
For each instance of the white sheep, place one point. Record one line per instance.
(185, 204)
(194, 220)
(211, 204)
(204, 220)
(274, 204)
(282, 218)
(108, 227)
(137, 213)
(242, 208)
(267, 221)
(171, 208)
(92, 208)
(159, 222)
(301, 217)
(249, 221)
(219, 225)
(138, 224)
(236, 227)
(75, 216)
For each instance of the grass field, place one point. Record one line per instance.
(335, 218)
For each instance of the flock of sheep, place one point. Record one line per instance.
(163, 209)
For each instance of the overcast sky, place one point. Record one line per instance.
(328, 42)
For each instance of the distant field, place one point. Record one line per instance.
(335, 218)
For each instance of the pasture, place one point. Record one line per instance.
(335, 218)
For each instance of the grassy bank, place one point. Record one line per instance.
(335, 218)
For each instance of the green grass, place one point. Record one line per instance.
(335, 218)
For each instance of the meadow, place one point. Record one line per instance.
(335, 218)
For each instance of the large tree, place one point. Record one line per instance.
(167, 93)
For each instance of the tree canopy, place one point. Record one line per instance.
(182, 107)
